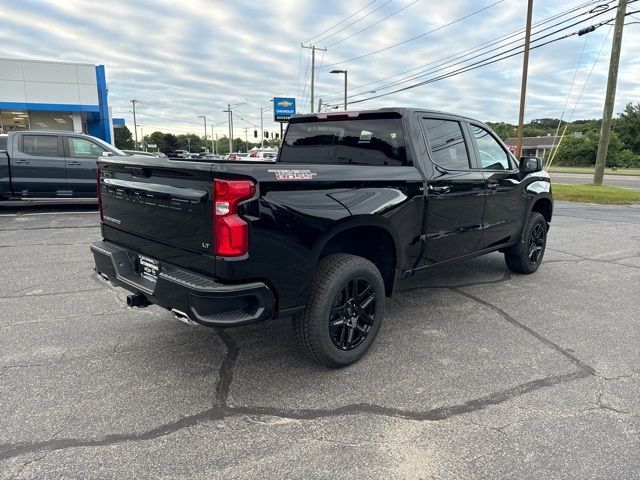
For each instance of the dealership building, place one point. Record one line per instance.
(42, 95)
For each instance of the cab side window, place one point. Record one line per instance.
(42, 145)
(446, 140)
(83, 148)
(492, 155)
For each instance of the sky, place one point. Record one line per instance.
(193, 57)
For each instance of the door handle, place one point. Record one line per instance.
(492, 185)
(74, 164)
(22, 162)
(440, 189)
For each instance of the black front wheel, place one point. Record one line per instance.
(344, 311)
(529, 255)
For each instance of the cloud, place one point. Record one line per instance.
(184, 59)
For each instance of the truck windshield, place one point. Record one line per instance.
(349, 141)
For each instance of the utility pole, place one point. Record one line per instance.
(230, 121)
(213, 145)
(229, 107)
(610, 96)
(523, 87)
(246, 140)
(205, 131)
(320, 105)
(135, 126)
(313, 69)
(261, 129)
(189, 143)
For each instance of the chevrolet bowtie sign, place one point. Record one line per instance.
(283, 108)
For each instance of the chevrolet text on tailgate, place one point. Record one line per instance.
(356, 202)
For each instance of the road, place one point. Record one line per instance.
(626, 181)
(476, 373)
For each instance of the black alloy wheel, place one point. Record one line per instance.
(527, 256)
(536, 243)
(352, 314)
(344, 311)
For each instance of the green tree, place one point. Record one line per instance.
(504, 130)
(627, 126)
(122, 138)
(190, 142)
(156, 138)
(170, 142)
(580, 151)
(222, 146)
(548, 125)
(585, 126)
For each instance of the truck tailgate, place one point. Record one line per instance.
(159, 201)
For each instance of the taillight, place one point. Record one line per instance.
(231, 233)
(99, 192)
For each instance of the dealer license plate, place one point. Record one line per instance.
(149, 268)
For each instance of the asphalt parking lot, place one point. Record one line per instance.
(476, 373)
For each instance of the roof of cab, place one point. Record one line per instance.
(402, 111)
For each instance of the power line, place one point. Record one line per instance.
(453, 63)
(463, 67)
(417, 36)
(353, 23)
(481, 63)
(341, 22)
(373, 24)
(168, 118)
(464, 53)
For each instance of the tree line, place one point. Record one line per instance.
(578, 148)
(168, 142)
(580, 144)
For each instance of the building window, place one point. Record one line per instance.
(12, 120)
(51, 121)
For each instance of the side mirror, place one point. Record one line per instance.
(108, 154)
(530, 164)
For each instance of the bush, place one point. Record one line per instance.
(628, 159)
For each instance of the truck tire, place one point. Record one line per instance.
(344, 311)
(532, 249)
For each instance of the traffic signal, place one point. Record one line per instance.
(255, 134)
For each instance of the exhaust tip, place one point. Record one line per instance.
(183, 317)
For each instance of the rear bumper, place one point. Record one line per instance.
(201, 298)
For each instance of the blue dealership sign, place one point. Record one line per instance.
(283, 108)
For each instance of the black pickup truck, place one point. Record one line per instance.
(356, 202)
(50, 164)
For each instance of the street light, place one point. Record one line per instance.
(205, 131)
(345, 85)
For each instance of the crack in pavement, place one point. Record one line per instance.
(613, 261)
(575, 360)
(222, 410)
(593, 218)
(505, 277)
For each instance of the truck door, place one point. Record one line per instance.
(38, 165)
(456, 192)
(504, 211)
(82, 161)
